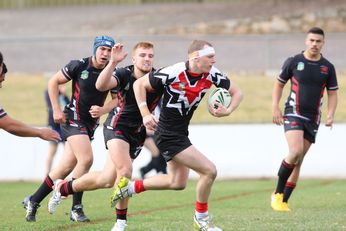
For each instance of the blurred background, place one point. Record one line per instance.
(252, 39)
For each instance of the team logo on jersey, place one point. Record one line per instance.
(127, 87)
(181, 86)
(84, 74)
(324, 70)
(300, 66)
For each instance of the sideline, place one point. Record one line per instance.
(238, 151)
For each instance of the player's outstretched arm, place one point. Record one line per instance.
(19, 128)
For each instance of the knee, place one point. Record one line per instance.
(86, 162)
(211, 172)
(178, 185)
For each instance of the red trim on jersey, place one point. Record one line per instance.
(295, 89)
(191, 92)
(76, 95)
(121, 105)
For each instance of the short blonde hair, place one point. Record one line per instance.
(145, 45)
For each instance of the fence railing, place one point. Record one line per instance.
(5, 4)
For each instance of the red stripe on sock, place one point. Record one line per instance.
(287, 165)
(121, 211)
(201, 207)
(49, 181)
(290, 184)
(139, 186)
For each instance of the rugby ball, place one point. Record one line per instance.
(220, 95)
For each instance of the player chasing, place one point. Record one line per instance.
(309, 73)
(78, 122)
(184, 85)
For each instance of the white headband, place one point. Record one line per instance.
(203, 52)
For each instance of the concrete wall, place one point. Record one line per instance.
(240, 151)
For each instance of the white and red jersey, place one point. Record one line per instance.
(183, 91)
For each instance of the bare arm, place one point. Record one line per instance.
(140, 87)
(332, 103)
(19, 128)
(105, 81)
(53, 91)
(276, 96)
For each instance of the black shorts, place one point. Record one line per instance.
(73, 127)
(309, 127)
(134, 139)
(171, 143)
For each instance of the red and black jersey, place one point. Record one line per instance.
(183, 91)
(2, 112)
(308, 82)
(84, 92)
(128, 113)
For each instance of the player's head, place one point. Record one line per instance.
(102, 51)
(103, 41)
(314, 41)
(201, 56)
(143, 56)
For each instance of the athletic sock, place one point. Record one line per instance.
(136, 187)
(121, 214)
(201, 210)
(66, 189)
(288, 190)
(43, 191)
(284, 173)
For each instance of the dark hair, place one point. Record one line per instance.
(197, 45)
(1, 58)
(316, 30)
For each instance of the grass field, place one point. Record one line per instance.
(235, 205)
(23, 98)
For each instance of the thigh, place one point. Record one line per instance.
(80, 146)
(119, 153)
(192, 158)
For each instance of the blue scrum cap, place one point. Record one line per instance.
(103, 40)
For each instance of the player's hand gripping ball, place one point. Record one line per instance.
(221, 96)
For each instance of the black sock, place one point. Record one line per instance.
(147, 168)
(121, 214)
(43, 191)
(288, 190)
(77, 197)
(284, 173)
(66, 189)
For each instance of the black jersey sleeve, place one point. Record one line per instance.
(158, 78)
(286, 70)
(71, 70)
(220, 79)
(122, 76)
(332, 83)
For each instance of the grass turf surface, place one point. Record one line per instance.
(317, 204)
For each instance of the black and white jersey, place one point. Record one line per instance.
(127, 114)
(308, 82)
(84, 92)
(183, 91)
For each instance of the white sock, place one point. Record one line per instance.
(201, 215)
(131, 188)
(121, 222)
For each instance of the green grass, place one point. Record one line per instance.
(22, 97)
(235, 205)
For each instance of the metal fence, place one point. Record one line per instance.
(5, 4)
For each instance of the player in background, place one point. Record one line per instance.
(53, 146)
(310, 74)
(184, 85)
(123, 130)
(78, 122)
(19, 128)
